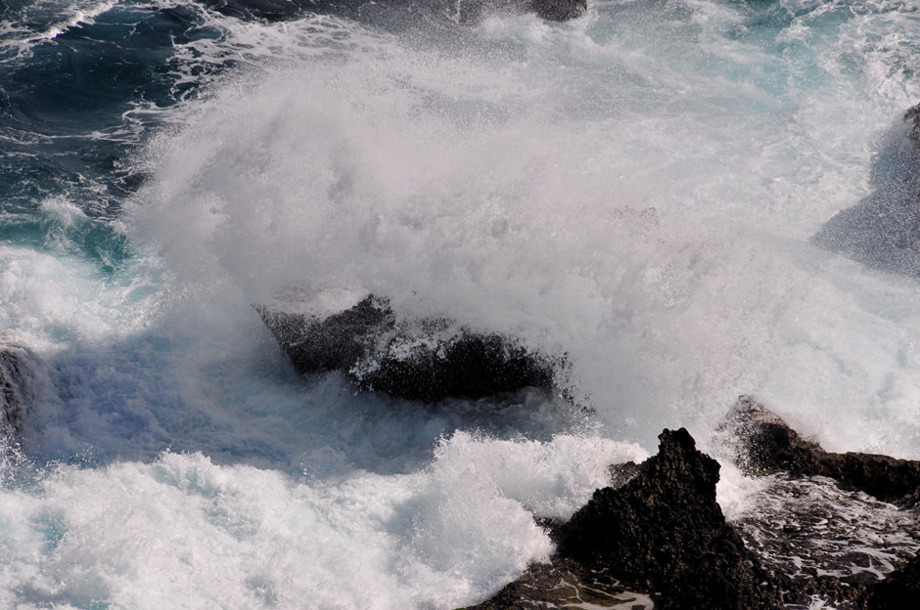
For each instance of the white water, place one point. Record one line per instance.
(635, 188)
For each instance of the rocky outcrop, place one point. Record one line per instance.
(764, 443)
(883, 230)
(426, 360)
(663, 531)
(813, 536)
(659, 539)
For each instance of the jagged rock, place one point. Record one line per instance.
(805, 541)
(428, 360)
(765, 443)
(883, 230)
(663, 531)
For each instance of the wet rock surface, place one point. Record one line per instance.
(425, 360)
(825, 521)
(830, 545)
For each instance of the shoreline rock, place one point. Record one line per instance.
(663, 531)
(426, 360)
(658, 535)
(765, 443)
(660, 538)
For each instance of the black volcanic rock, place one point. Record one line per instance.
(883, 230)
(427, 360)
(765, 443)
(663, 531)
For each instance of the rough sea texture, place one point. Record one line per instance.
(636, 189)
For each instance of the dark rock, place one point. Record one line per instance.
(19, 371)
(899, 590)
(427, 360)
(883, 230)
(336, 342)
(663, 531)
(621, 474)
(765, 443)
(825, 543)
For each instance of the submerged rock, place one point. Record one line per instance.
(663, 531)
(883, 230)
(427, 360)
(764, 443)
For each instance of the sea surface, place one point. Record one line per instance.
(636, 189)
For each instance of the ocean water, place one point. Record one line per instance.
(636, 188)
